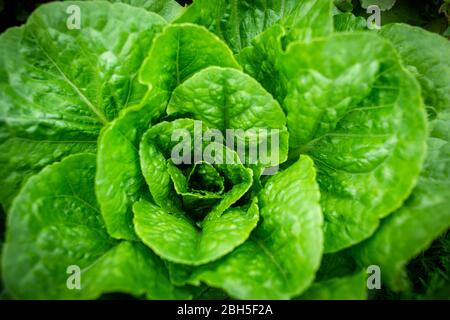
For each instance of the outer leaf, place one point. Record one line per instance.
(347, 288)
(361, 119)
(176, 238)
(168, 9)
(425, 215)
(57, 209)
(60, 86)
(280, 258)
(427, 57)
(345, 22)
(310, 19)
(238, 22)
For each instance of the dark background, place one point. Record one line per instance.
(16, 12)
(423, 13)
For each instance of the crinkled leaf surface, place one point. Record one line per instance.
(179, 52)
(425, 215)
(358, 113)
(311, 19)
(59, 86)
(427, 57)
(119, 180)
(351, 287)
(346, 22)
(281, 256)
(157, 166)
(177, 238)
(238, 22)
(224, 98)
(168, 9)
(176, 53)
(55, 223)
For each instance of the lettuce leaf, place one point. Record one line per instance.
(425, 214)
(57, 209)
(59, 87)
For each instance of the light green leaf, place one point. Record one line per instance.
(55, 223)
(427, 57)
(346, 288)
(179, 52)
(224, 98)
(168, 9)
(425, 215)
(201, 189)
(280, 258)
(176, 238)
(313, 19)
(154, 153)
(345, 22)
(119, 180)
(238, 22)
(59, 86)
(157, 166)
(176, 49)
(361, 119)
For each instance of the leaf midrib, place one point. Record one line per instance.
(101, 117)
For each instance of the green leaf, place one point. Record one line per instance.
(362, 119)
(176, 237)
(201, 189)
(179, 52)
(343, 5)
(311, 19)
(427, 57)
(280, 258)
(119, 179)
(173, 58)
(157, 166)
(425, 215)
(168, 9)
(224, 98)
(345, 22)
(59, 86)
(238, 22)
(55, 223)
(346, 288)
